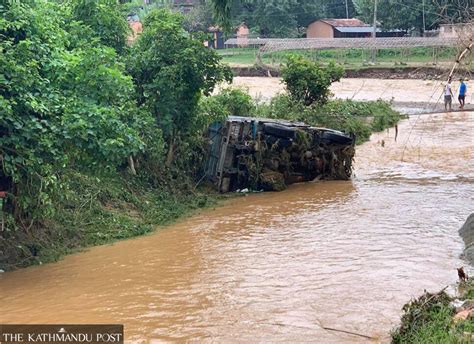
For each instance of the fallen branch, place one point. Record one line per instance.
(433, 296)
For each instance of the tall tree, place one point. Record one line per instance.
(105, 19)
(281, 18)
(400, 14)
(63, 104)
(171, 71)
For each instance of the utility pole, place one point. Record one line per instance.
(424, 22)
(374, 31)
(347, 9)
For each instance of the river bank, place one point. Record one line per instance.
(406, 96)
(402, 72)
(445, 316)
(100, 208)
(273, 266)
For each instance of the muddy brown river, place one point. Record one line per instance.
(280, 266)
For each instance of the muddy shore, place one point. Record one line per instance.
(428, 73)
(413, 96)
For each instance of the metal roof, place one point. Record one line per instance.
(344, 22)
(353, 29)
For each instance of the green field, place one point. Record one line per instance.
(354, 58)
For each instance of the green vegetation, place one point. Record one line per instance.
(99, 208)
(308, 82)
(307, 101)
(100, 141)
(350, 58)
(429, 319)
(359, 118)
(289, 18)
(414, 15)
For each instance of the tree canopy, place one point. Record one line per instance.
(64, 100)
(67, 101)
(289, 18)
(171, 70)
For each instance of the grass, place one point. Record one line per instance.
(429, 319)
(99, 209)
(351, 58)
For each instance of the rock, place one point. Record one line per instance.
(467, 234)
(463, 315)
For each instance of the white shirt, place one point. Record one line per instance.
(447, 90)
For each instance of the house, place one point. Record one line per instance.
(462, 30)
(242, 34)
(338, 28)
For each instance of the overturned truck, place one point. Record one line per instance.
(267, 154)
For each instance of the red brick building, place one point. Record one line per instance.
(338, 28)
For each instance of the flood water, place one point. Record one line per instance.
(280, 266)
(426, 92)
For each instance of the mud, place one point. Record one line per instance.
(431, 73)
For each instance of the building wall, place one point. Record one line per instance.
(319, 29)
(243, 35)
(137, 29)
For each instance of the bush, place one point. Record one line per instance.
(307, 81)
(236, 102)
(359, 118)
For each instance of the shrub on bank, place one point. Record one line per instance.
(430, 319)
(359, 118)
(99, 208)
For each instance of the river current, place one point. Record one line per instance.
(296, 265)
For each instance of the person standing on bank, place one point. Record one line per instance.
(462, 94)
(448, 96)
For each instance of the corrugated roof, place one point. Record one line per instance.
(345, 22)
(360, 29)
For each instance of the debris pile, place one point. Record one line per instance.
(265, 154)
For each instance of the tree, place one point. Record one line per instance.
(458, 11)
(105, 19)
(307, 81)
(171, 71)
(280, 18)
(409, 13)
(63, 104)
(200, 18)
